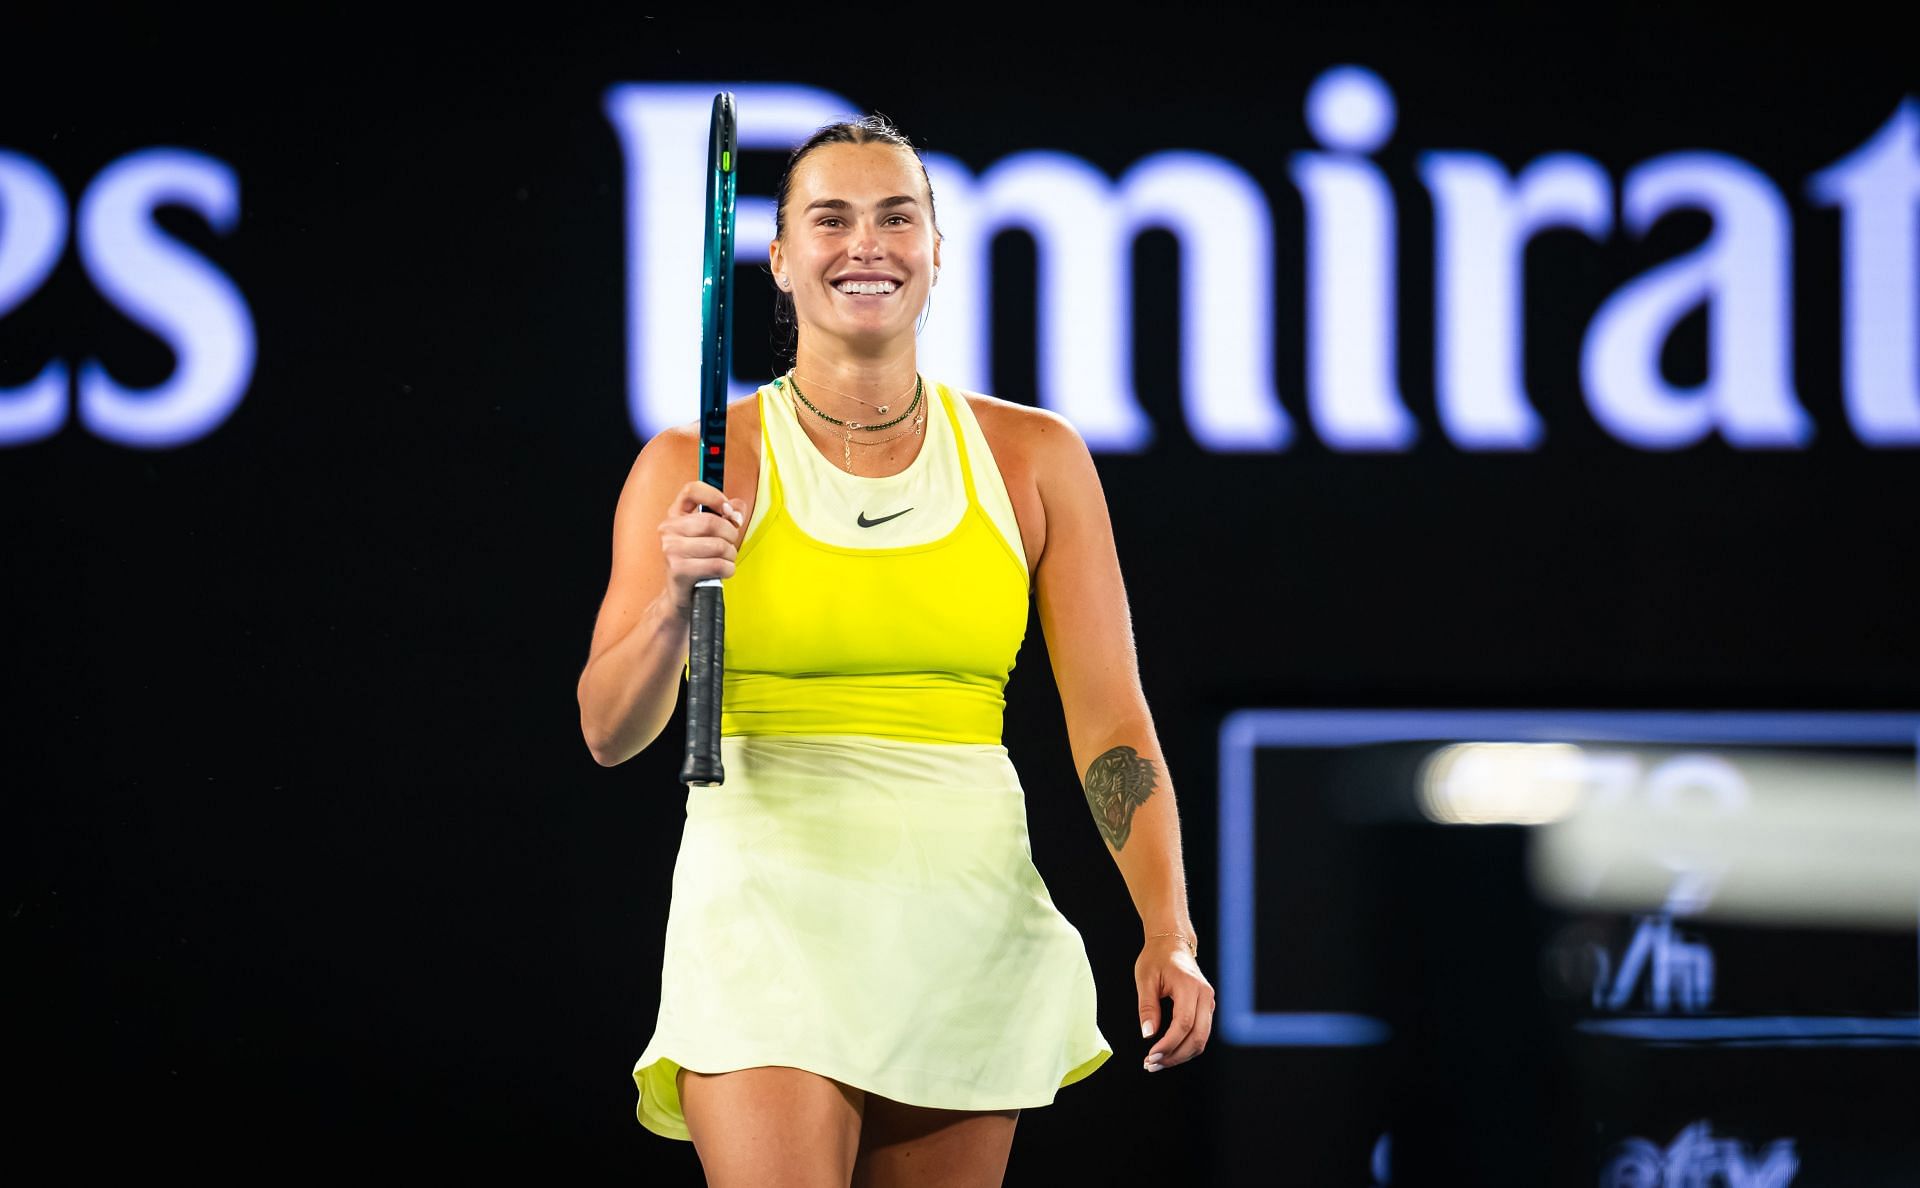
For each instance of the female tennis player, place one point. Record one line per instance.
(865, 979)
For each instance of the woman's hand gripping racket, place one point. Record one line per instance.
(707, 634)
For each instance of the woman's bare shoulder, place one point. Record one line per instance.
(1029, 430)
(743, 415)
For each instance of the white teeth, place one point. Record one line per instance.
(866, 286)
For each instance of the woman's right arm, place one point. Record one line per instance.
(632, 679)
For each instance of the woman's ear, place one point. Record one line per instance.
(777, 267)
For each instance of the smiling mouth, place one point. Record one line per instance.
(865, 288)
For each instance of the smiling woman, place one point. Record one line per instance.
(865, 977)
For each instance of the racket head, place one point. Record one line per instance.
(716, 320)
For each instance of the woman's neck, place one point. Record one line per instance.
(850, 386)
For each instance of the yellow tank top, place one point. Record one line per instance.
(891, 607)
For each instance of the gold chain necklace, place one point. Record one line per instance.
(847, 427)
(851, 425)
(879, 410)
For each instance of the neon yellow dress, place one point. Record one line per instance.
(859, 898)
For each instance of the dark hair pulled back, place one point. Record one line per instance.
(868, 129)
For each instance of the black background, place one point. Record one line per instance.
(308, 863)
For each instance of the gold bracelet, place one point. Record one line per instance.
(1184, 939)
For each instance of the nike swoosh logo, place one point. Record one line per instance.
(862, 520)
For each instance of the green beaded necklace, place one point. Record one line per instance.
(918, 386)
(847, 427)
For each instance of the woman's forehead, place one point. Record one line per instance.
(847, 170)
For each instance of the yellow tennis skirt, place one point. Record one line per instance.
(868, 910)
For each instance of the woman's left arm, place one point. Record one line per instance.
(1083, 611)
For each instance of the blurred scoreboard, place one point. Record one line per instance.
(1582, 947)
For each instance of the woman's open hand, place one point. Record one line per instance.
(698, 545)
(1167, 969)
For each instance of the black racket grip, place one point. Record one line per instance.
(704, 640)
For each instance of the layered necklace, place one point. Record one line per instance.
(848, 428)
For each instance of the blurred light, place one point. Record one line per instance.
(1791, 840)
(1672, 743)
(1502, 783)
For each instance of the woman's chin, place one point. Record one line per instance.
(868, 334)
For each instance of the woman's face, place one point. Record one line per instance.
(859, 251)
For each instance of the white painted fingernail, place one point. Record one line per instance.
(1146, 1029)
(1152, 1065)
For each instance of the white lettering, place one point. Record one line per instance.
(1067, 206)
(1696, 1158)
(1742, 274)
(1352, 391)
(1225, 231)
(1678, 971)
(956, 343)
(192, 306)
(1484, 221)
(1877, 187)
(1083, 227)
(33, 229)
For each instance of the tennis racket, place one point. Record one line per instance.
(706, 635)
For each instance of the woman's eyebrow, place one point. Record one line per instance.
(843, 204)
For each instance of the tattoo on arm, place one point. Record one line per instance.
(1118, 783)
